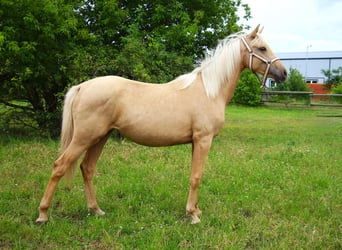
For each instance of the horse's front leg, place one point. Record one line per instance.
(200, 149)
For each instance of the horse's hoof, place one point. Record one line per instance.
(194, 215)
(100, 212)
(41, 220)
(97, 211)
(195, 220)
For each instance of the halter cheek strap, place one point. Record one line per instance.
(267, 62)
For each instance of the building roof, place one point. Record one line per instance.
(310, 55)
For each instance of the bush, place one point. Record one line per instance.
(337, 90)
(294, 82)
(248, 89)
(334, 78)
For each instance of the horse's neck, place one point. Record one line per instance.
(228, 88)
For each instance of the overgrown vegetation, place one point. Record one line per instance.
(272, 181)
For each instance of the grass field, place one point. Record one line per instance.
(273, 180)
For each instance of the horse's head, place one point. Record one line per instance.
(258, 57)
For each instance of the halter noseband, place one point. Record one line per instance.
(268, 62)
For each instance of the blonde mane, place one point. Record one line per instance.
(218, 65)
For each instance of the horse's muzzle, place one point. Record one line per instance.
(279, 75)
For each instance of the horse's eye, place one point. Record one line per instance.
(263, 49)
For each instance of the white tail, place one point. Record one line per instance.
(68, 127)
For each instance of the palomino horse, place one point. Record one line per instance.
(189, 109)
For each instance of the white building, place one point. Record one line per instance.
(310, 64)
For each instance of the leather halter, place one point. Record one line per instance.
(267, 62)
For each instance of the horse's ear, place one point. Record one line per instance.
(254, 33)
(261, 29)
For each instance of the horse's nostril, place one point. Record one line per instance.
(285, 73)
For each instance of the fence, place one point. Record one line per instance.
(301, 98)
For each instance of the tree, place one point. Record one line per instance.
(159, 40)
(334, 77)
(39, 41)
(248, 89)
(294, 82)
(48, 45)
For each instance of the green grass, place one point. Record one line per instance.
(273, 180)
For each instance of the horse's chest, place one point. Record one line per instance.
(210, 123)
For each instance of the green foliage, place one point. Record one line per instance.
(334, 77)
(337, 89)
(48, 45)
(247, 91)
(294, 82)
(39, 41)
(149, 62)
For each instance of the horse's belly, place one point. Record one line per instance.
(161, 136)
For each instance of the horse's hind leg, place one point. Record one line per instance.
(61, 165)
(88, 168)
